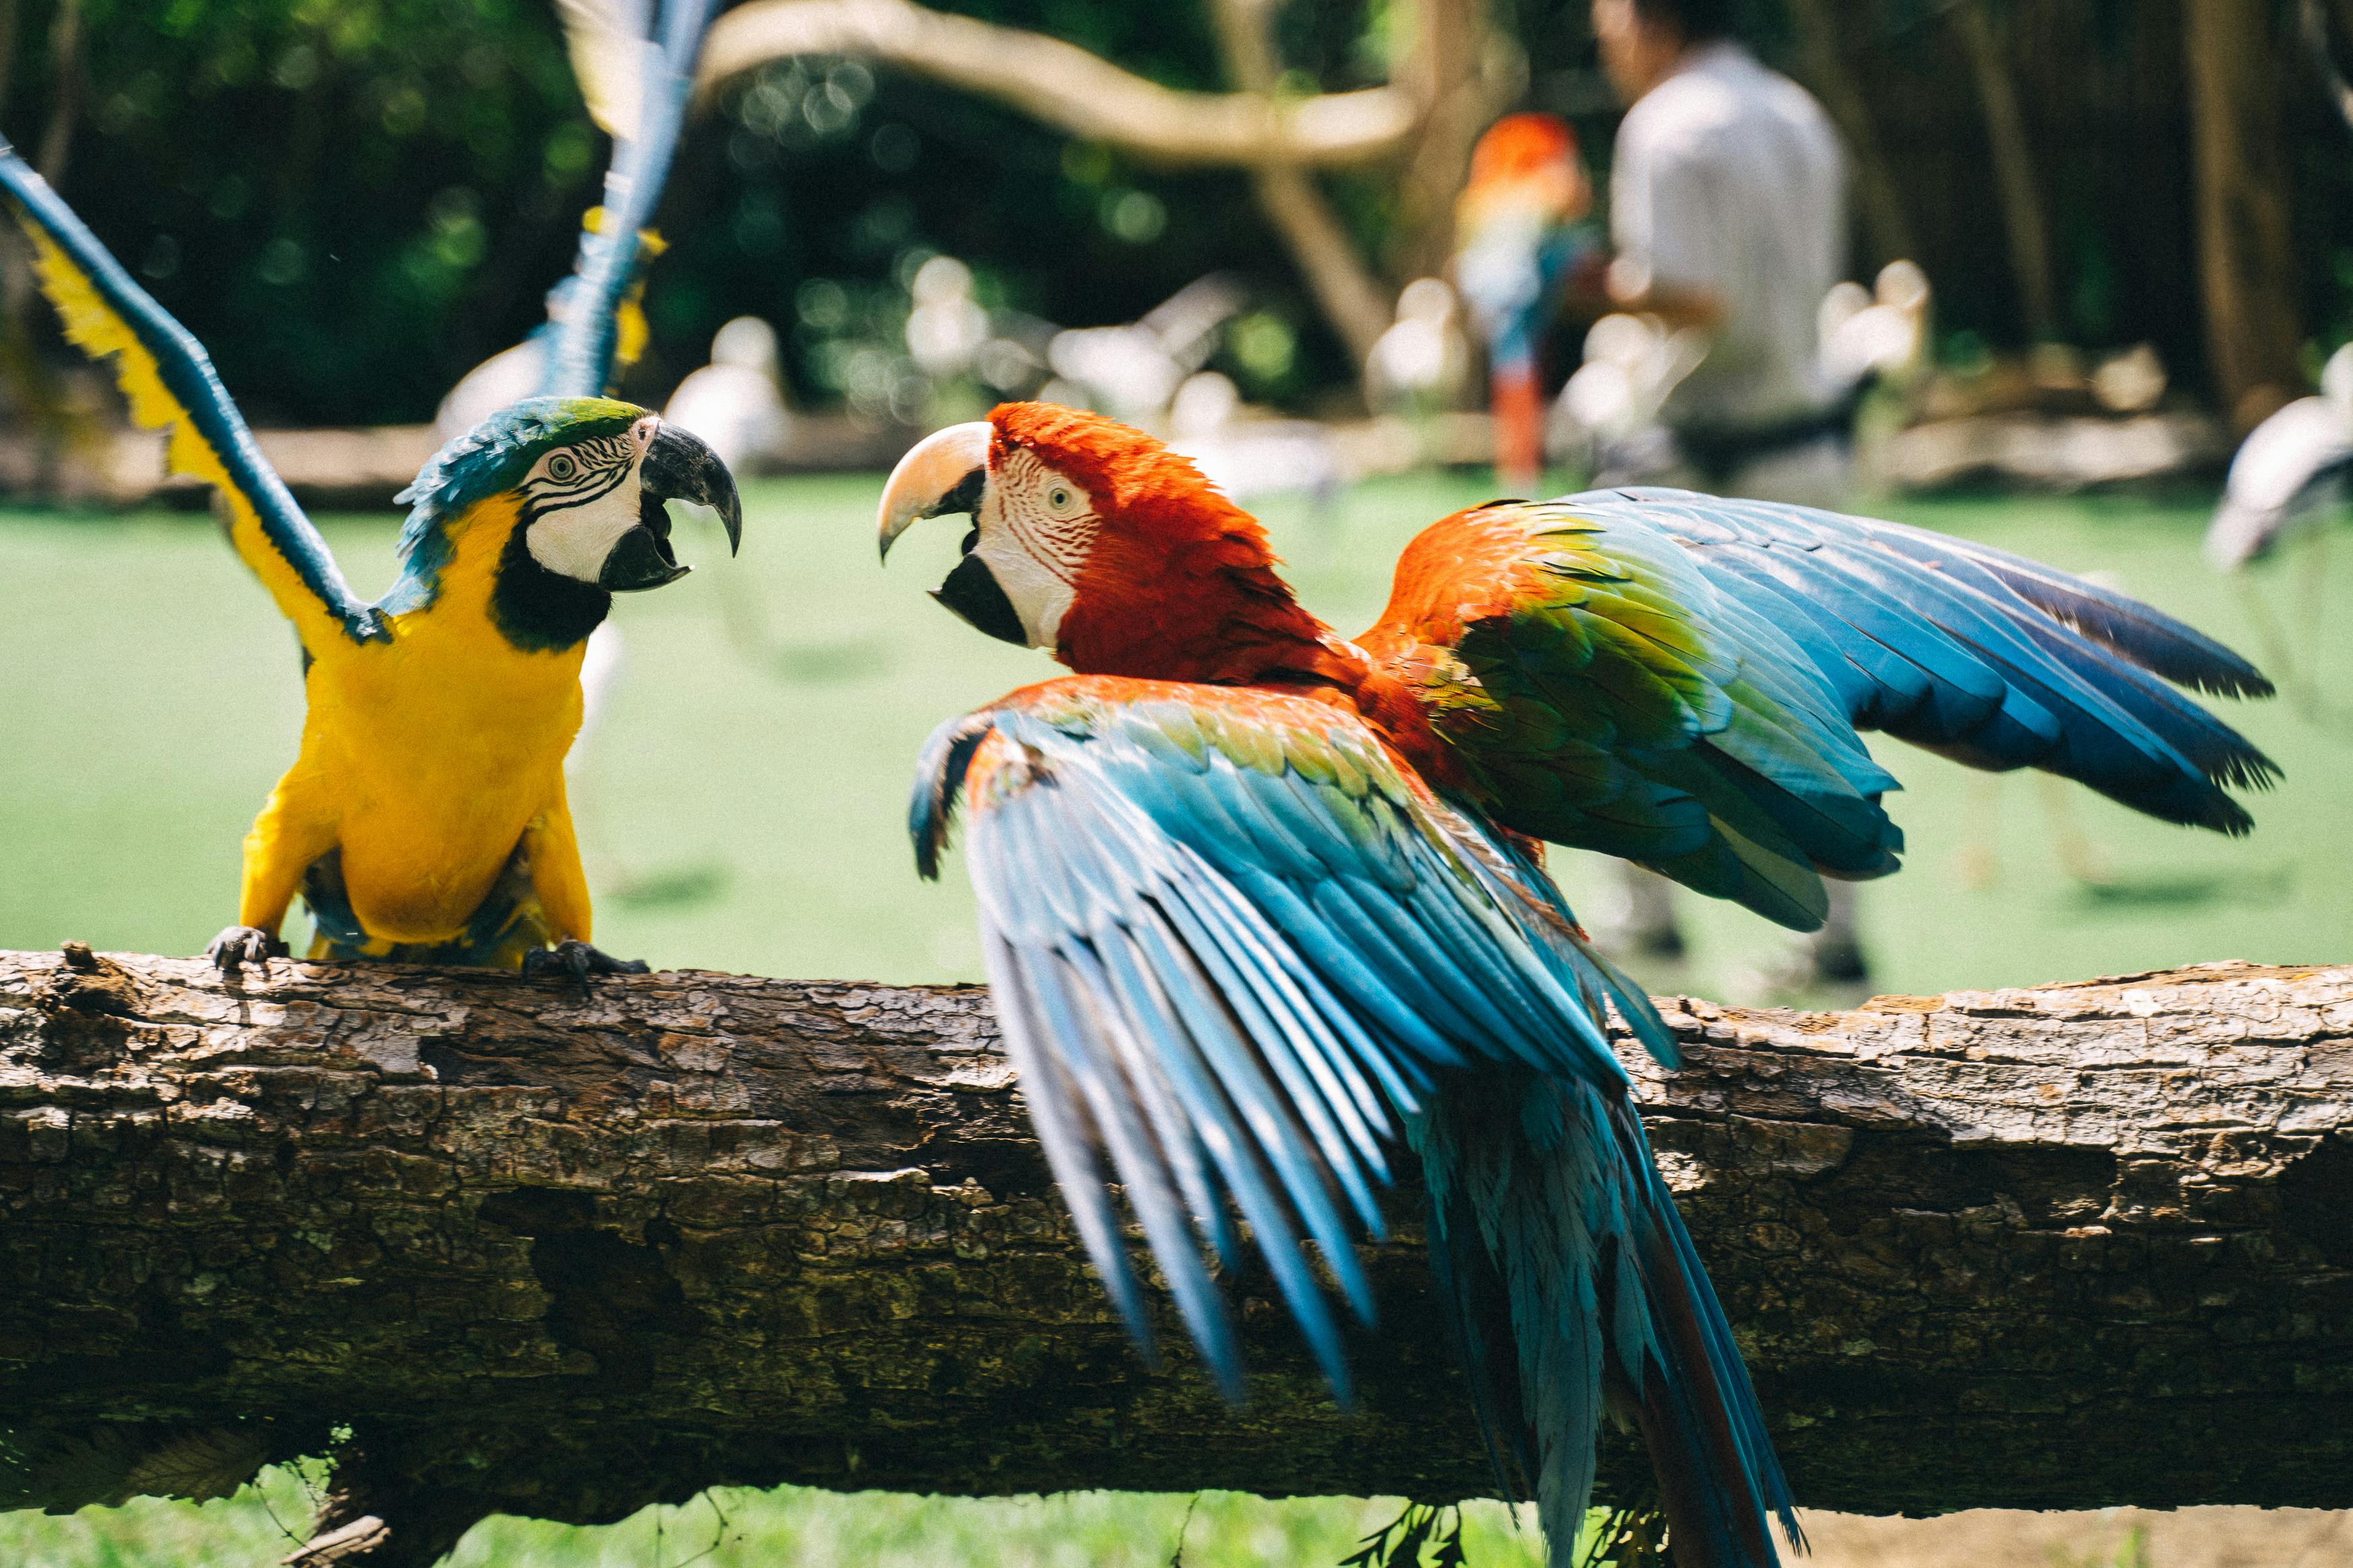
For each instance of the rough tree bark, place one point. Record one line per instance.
(500, 1246)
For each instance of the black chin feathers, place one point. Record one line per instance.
(538, 610)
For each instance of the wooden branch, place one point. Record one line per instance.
(560, 1256)
(1065, 86)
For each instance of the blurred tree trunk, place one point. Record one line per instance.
(2023, 212)
(2247, 253)
(1888, 231)
(1352, 299)
(563, 1256)
(1465, 72)
(2311, 19)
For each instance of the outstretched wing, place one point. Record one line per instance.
(1679, 680)
(1229, 939)
(636, 60)
(1605, 694)
(171, 385)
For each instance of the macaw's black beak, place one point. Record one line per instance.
(677, 467)
(642, 557)
(972, 592)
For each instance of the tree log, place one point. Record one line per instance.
(498, 1246)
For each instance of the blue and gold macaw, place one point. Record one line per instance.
(423, 819)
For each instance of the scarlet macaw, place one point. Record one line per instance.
(1254, 896)
(425, 817)
(1521, 229)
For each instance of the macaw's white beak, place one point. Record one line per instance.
(945, 472)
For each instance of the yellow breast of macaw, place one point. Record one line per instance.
(439, 747)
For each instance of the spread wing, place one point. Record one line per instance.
(636, 60)
(1679, 680)
(171, 385)
(1229, 939)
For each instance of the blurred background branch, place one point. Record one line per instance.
(1065, 86)
(2095, 178)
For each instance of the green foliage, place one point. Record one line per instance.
(733, 1528)
(322, 189)
(351, 203)
(107, 1466)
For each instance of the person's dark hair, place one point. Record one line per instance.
(1696, 20)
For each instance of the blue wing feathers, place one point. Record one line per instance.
(588, 333)
(1229, 979)
(188, 374)
(1977, 653)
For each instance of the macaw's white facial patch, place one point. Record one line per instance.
(1037, 529)
(583, 497)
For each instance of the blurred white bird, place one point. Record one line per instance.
(600, 676)
(1880, 333)
(1132, 372)
(736, 403)
(2291, 469)
(1251, 455)
(506, 377)
(1422, 364)
(947, 326)
(1611, 406)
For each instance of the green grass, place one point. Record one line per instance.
(741, 808)
(727, 1528)
(742, 805)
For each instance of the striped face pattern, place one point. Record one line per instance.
(1036, 528)
(581, 501)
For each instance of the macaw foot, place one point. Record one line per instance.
(579, 960)
(240, 945)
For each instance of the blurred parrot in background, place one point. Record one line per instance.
(425, 818)
(1521, 228)
(1256, 898)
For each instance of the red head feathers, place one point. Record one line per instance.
(1093, 540)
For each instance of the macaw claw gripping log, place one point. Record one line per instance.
(424, 818)
(1257, 899)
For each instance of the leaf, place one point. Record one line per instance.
(66, 1473)
(198, 1466)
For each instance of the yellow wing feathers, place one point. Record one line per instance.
(169, 383)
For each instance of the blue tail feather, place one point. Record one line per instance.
(1575, 1289)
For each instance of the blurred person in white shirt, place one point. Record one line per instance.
(1728, 211)
(1729, 215)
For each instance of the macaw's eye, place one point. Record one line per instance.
(560, 467)
(1062, 499)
